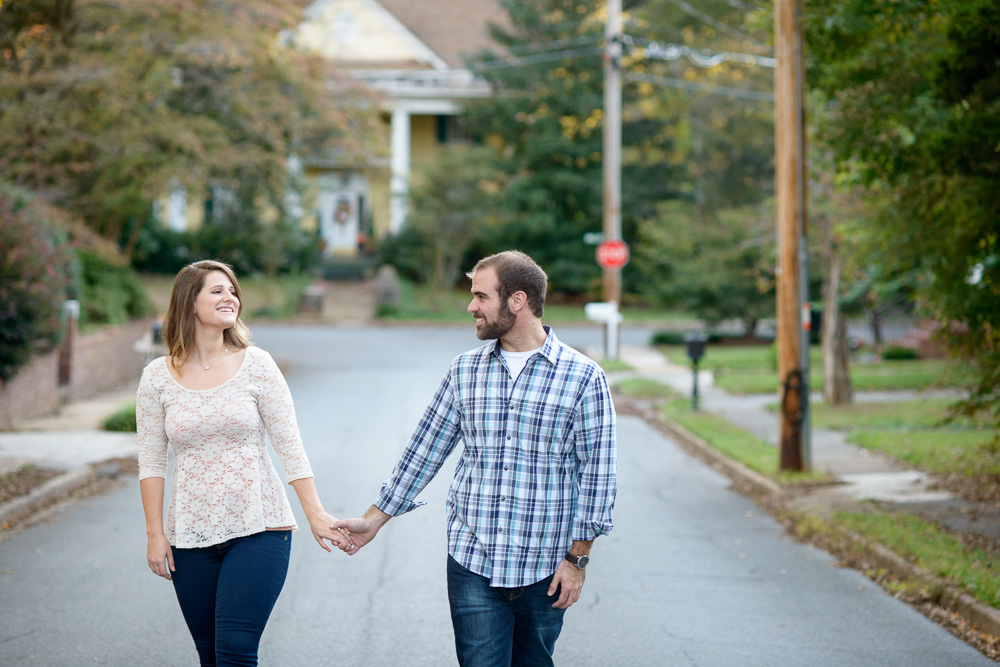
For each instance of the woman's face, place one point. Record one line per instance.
(216, 304)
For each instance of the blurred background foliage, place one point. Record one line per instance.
(140, 96)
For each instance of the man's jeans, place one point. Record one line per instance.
(227, 592)
(502, 627)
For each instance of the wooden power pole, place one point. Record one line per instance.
(612, 158)
(793, 311)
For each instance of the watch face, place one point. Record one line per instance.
(582, 562)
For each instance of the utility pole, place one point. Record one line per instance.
(793, 311)
(612, 160)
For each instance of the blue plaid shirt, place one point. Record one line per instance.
(538, 468)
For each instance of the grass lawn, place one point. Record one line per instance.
(917, 413)
(731, 440)
(932, 549)
(941, 451)
(751, 370)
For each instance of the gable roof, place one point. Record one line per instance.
(449, 28)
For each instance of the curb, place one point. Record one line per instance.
(978, 614)
(58, 486)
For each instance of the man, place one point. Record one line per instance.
(536, 482)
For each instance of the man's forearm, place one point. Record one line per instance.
(581, 547)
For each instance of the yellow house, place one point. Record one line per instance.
(412, 51)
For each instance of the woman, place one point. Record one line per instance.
(228, 527)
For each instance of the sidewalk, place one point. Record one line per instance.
(862, 475)
(69, 443)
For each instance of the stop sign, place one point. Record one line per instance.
(612, 254)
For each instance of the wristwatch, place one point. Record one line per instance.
(579, 561)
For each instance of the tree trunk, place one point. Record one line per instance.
(836, 379)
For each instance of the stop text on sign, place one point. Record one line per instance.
(612, 254)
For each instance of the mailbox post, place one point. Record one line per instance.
(695, 349)
(607, 314)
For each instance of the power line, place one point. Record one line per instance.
(726, 91)
(658, 51)
(715, 23)
(532, 60)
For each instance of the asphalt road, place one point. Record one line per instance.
(692, 575)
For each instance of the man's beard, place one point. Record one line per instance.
(504, 323)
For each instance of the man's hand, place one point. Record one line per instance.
(320, 523)
(360, 530)
(568, 580)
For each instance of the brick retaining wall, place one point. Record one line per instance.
(103, 360)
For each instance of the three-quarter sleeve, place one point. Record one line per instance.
(594, 430)
(152, 436)
(278, 413)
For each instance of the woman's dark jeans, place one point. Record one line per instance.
(502, 627)
(226, 592)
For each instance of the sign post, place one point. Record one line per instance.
(611, 256)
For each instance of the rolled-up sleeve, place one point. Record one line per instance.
(433, 440)
(595, 443)
(152, 436)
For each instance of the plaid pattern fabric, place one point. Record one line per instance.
(538, 468)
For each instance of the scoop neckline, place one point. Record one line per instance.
(239, 370)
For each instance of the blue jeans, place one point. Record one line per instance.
(226, 592)
(502, 627)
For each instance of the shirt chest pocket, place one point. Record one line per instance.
(542, 427)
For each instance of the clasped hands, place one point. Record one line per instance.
(348, 535)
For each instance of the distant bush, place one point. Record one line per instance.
(667, 338)
(897, 353)
(250, 246)
(111, 292)
(36, 264)
(123, 420)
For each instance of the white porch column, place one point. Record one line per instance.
(399, 185)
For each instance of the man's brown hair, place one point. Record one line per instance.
(516, 272)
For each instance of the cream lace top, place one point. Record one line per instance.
(224, 485)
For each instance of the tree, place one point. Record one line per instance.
(141, 96)
(718, 267)
(35, 276)
(544, 123)
(914, 113)
(452, 205)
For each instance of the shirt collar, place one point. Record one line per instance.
(550, 348)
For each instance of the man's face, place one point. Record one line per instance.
(494, 317)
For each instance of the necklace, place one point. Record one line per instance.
(200, 363)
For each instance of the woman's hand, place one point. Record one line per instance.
(320, 523)
(160, 556)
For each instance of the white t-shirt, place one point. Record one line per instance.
(516, 361)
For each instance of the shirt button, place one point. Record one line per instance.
(508, 437)
(505, 467)
(502, 498)
(499, 530)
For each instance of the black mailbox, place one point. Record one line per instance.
(696, 349)
(695, 345)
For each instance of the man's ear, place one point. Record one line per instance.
(517, 301)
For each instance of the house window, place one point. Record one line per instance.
(450, 132)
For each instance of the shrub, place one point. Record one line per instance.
(667, 338)
(111, 292)
(122, 420)
(35, 273)
(897, 353)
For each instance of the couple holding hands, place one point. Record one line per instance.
(535, 484)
